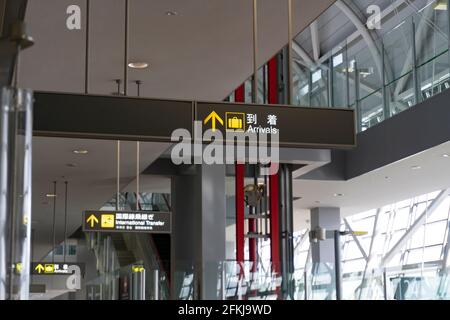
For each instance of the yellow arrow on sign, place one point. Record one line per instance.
(213, 117)
(39, 268)
(92, 220)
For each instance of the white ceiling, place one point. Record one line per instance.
(203, 53)
(92, 182)
(387, 185)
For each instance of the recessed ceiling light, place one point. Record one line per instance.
(416, 167)
(446, 155)
(138, 65)
(81, 151)
(171, 13)
(50, 195)
(338, 194)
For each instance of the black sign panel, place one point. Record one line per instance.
(295, 126)
(125, 118)
(127, 221)
(91, 116)
(56, 269)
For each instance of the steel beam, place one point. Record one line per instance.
(355, 238)
(415, 226)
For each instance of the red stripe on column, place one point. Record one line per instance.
(239, 94)
(272, 80)
(274, 223)
(239, 185)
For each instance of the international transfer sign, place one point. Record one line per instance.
(127, 221)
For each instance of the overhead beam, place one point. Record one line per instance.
(355, 238)
(360, 26)
(303, 55)
(415, 226)
(315, 40)
(420, 44)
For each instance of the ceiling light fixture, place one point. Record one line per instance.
(138, 65)
(416, 167)
(81, 151)
(50, 195)
(171, 13)
(440, 5)
(446, 155)
(338, 194)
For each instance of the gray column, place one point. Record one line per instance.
(329, 219)
(198, 233)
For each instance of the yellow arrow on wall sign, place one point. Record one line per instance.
(39, 268)
(92, 220)
(213, 117)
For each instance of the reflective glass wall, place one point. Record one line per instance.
(378, 57)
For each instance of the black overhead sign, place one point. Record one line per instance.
(124, 118)
(295, 126)
(127, 221)
(56, 269)
(109, 117)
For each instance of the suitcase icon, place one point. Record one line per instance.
(235, 123)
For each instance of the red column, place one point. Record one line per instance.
(239, 96)
(272, 80)
(240, 207)
(274, 223)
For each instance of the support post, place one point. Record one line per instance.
(414, 63)
(337, 264)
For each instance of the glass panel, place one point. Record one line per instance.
(400, 94)
(398, 51)
(339, 64)
(319, 88)
(431, 27)
(371, 108)
(301, 85)
(434, 76)
(435, 233)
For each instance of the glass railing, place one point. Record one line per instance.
(380, 74)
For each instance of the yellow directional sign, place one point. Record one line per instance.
(49, 268)
(107, 221)
(359, 233)
(138, 268)
(213, 117)
(39, 268)
(92, 220)
(18, 267)
(127, 221)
